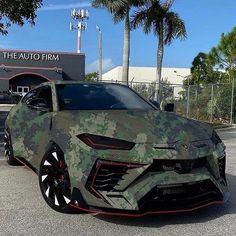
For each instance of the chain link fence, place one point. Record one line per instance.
(211, 103)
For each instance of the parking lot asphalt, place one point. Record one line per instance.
(24, 212)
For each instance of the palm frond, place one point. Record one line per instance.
(138, 18)
(174, 27)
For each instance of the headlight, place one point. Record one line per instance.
(104, 143)
(215, 138)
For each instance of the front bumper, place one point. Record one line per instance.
(137, 190)
(81, 206)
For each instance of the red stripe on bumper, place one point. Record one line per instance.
(145, 213)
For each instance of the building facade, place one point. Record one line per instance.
(174, 76)
(20, 71)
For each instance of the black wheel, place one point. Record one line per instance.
(9, 150)
(54, 181)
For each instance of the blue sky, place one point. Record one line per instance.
(205, 21)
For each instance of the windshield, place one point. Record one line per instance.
(98, 97)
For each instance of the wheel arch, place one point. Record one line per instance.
(52, 144)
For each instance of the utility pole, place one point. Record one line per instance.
(232, 102)
(99, 52)
(79, 15)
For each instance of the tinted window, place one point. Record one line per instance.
(42, 92)
(30, 95)
(98, 97)
(46, 94)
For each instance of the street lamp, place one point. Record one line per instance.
(99, 52)
(79, 15)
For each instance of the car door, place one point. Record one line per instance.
(38, 126)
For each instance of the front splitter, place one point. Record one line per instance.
(110, 213)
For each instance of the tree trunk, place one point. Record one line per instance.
(160, 52)
(126, 50)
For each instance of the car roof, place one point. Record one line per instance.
(78, 82)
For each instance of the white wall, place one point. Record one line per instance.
(148, 74)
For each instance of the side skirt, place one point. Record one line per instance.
(27, 165)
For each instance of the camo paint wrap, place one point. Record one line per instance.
(157, 136)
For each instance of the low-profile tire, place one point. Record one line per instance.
(54, 181)
(9, 155)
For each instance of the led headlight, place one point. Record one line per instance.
(104, 143)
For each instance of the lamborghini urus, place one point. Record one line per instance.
(101, 148)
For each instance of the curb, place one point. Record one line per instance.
(226, 128)
(7, 105)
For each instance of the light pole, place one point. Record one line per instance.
(79, 15)
(232, 102)
(99, 52)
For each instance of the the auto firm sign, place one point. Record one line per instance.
(29, 56)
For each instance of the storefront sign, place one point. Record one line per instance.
(30, 56)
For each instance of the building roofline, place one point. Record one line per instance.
(149, 67)
(36, 51)
(3, 66)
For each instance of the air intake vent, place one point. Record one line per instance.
(106, 175)
(180, 166)
(180, 196)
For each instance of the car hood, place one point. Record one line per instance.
(149, 127)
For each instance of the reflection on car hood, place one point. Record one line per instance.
(154, 127)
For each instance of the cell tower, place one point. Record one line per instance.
(80, 15)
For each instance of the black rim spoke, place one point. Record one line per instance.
(55, 179)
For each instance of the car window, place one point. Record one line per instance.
(42, 92)
(46, 94)
(99, 97)
(30, 95)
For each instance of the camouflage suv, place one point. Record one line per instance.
(101, 148)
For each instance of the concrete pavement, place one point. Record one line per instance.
(24, 212)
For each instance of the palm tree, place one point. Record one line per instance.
(120, 9)
(155, 16)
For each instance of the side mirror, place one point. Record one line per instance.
(170, 107)
(38, 104)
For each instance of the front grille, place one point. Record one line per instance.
(222, 163)
(105, 176)
(179, 166)
(181, 196)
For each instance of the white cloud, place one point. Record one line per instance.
(107, 64)
(56, 7)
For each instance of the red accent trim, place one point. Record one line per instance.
(113, 163)
(134, 214)
(24, 164)
(110, 163)
(91, 187)
(29, 73)
(31, 67)
(143, 214)
(19, 50)
(94, 145)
